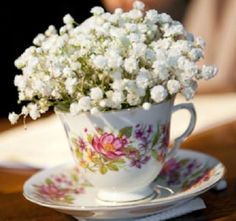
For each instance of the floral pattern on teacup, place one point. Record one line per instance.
(107, 150)
(61, 187)
(184, 173)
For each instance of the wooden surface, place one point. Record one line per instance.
(219, 142)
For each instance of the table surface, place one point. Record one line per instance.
(219, 142)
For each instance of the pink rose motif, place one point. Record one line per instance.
(110, 146)
(52, 191)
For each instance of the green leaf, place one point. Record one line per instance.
(90, 138)
(156, 136)
(90, 169)
(197, 174)
(74, 140)
(63, 106)
(154, 154)
(100, 130)
(119, 161)
(68, 199)
(48, 181)
(79, 154)
(74, 177)
(126, 131)
(103, 169)
(183, 162)
(96, 160)
(112, 167)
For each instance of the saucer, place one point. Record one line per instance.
(182, 178)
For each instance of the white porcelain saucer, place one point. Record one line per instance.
(64, 189)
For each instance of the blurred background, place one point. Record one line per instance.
(214, 20)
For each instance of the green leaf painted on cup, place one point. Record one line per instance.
(103, 169)
(154, 154)
(96, 160)
(118, 161)
(156, 136)
(78, 154)
(112, 167)
(89, 138)
(99, 130)
(126, 131)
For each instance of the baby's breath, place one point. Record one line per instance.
(111, 61)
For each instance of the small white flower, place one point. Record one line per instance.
(139, 50)
(150, 55)
(133, 99)
(208, 72)
(97, 10)
(84, 103)
(114, 60)
(33, 111)
(131, 65)
(135, 14)
(116, 74)
(160, 70)
(70, 85)
(165, 18)
(138, 5)
(173, 30)
(142, 79)
(195, 54)
(74, 108)
(152, 16)
(133, 38)
(103, 103)
(158, 93)
(51, 31)
(117, 98)
(146, 106)
(75, 66)
(25, 110)
(100, 61)
(94, 110)
(190, 90)
(20, 81)
(68, 19)
(118, 11)
(13, 117)
(38, 40)
(67, 72)
(117, 85)
(19, 63)
(96, 93)
(199, 42)
(173, 86)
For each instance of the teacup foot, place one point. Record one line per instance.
(143, 194)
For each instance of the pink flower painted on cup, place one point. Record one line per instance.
(109, 145)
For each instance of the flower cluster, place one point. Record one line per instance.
(111, 61)
(109, 150)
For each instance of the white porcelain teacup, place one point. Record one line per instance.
(122, 152)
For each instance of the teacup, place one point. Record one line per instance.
(122, 152)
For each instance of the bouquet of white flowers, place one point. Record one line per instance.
(112, 61)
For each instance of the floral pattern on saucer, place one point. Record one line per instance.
(61, 187)
(184, 173)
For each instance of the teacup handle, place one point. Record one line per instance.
(179, 140)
